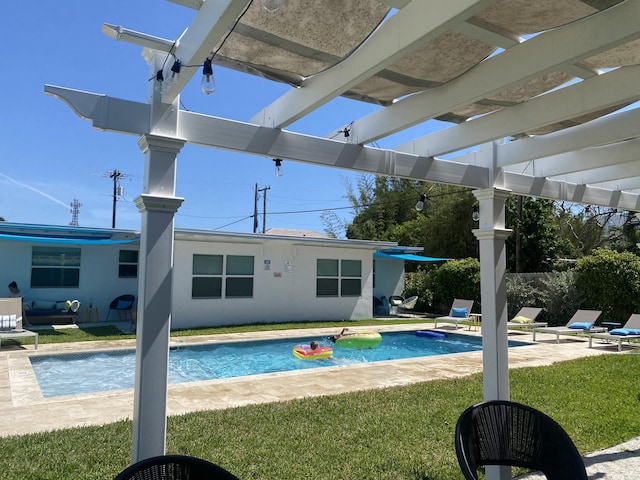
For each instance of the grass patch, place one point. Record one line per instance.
(89, 333)
(68, 335)
(395, 433)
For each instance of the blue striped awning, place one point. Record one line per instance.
(409, 256)
(65, 240)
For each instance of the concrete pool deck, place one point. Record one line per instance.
(25, 410)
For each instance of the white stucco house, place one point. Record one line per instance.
(219, 278)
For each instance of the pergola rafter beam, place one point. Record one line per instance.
(270, 142)
(105, 113)
(583, 160)
(570, 192)
(488, 34)
(607, 90)
(117, 115)
(602, 174)
(631, 184)
(547, 52)
(612, 128)
(193, 4)
(413, 26)
(212, 23)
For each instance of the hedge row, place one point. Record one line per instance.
(606, 280)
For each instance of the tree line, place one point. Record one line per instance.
(546, 234)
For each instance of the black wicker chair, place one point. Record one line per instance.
(174, 467)
(123, 305)
(501, 432)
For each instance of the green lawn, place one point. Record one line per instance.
(396, 433)
(89, 332)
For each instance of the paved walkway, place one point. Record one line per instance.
(25, 410)
(621, 462)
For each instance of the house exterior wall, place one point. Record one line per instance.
(284, 278)
(99, 281)
(389, 277)
(284, 285)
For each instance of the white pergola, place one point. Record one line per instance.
(555, 77)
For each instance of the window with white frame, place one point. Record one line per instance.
(338, 278)
(53, 267)
(215, 276)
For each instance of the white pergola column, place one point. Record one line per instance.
(157, 205)
(492, 236)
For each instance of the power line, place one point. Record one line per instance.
(293, 212)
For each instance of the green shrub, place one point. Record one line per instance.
(611, 282)
(520, 293)
(457, 279)
(419, 283)
(560, 297)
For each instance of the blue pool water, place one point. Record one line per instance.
(69, 374)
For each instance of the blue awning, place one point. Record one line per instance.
(65, 240)
(409, 256)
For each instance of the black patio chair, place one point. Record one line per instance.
(123, 305)
(502, 432)
(175, 467)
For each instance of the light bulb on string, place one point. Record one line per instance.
(475, 214)
(420, 202)
(173, 78)
(208, 84)
(279, 171)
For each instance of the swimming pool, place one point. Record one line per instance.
(70, 374)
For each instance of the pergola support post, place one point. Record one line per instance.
(492, 236)
(157, 206)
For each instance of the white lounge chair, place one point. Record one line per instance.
(619, 334)
(582, 322)
(11, 320)
(525, 319)
(460, 312)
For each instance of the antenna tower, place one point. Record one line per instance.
(75, 211)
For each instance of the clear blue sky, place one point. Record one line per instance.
(50, 156)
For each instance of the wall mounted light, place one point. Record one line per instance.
(420, 202)
(271, 5)
(208, 84)
(279, 171)
(475, 213)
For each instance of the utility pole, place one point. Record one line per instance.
(255, 210)
(117, 190)
(264, 208)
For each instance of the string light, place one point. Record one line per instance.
(420, 202)
(175, 71)
(279, 171)
(208, 84)
(475, 214)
